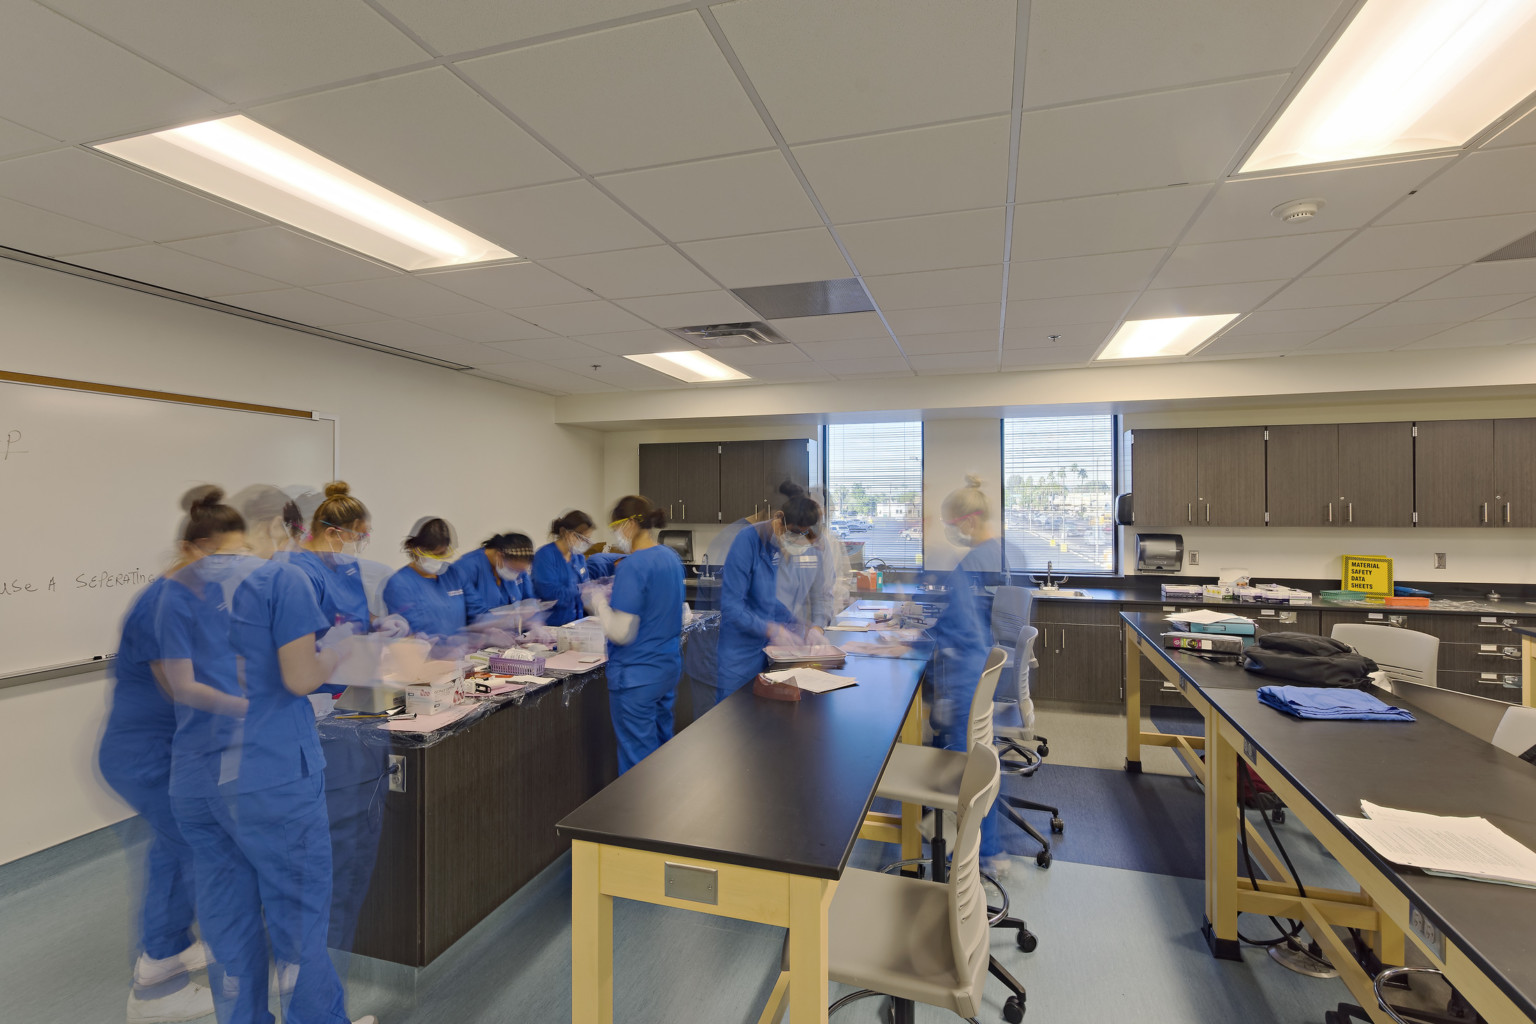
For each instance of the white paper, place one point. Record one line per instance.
(810, 680)
(1461, 847)
(1517, 731)
(1204, 616)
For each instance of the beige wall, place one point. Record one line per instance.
(952, 449)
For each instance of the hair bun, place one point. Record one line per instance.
(790, 489)
(337, 488)
(972, 480)
(202, 496)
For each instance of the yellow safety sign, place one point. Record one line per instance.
(1368, 574)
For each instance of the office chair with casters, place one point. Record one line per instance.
(919, 941)
(1021, 750)
(1011, 608)
(1405, 655)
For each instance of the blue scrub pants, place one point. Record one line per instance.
(640, 702)
(165, 919)
(266, 856)
(356, 785)
(955, 683)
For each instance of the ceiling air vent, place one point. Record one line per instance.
(808, 298)
(728, 335)
(1519, 249)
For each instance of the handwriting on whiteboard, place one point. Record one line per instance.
(12, 439)
(101, 580)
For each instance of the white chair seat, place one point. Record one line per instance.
(892, 934)
(926, 776)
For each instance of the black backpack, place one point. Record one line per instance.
(1308, 660)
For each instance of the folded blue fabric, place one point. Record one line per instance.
(1331, 703)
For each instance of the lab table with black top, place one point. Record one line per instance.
(751, 813)
(1481, 935)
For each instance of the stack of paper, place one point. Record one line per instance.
(811, 680)
(1456, 847)
(1205, 616)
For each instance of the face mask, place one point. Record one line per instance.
(794, 545)
(429, 565)
(510, 575)
(954, 536)
(579, 544)
(620, 543)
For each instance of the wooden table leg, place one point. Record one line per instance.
(1528, 672)
(1132, 701)
(1221, 838)
(912, 814)
(591, 939)
(809, 901)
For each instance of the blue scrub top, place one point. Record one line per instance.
(432, 605)
(962, 639)
(602, 565)
(483, 586)
(143, 719)
(338, 583)
(649, 584)
(748, 603)
(555, 579)
(229, 614)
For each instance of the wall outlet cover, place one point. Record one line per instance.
(1439, 559)
(1194, 558)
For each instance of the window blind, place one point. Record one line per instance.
(1059, 492)
(875, 490)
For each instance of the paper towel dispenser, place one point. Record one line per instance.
(1159, 552)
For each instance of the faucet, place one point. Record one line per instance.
(1051, 582)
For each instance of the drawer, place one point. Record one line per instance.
(1502, 656)
(1077, 611)
(1503, 686)
(1472, 629)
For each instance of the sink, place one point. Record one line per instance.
(1053, 594)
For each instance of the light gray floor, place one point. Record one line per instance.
(1114, 945)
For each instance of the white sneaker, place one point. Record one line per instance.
(998, 866)
(187, 1003)
(370, 1019)
(149, 972)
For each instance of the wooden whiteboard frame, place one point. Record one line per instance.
(38, 675)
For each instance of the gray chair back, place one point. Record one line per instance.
(969, 931)
(1010, 610)
(980, 732)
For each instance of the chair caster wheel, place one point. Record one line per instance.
(1043, 858)
(1027, 940)
(1043, 750)
(1058, 826)
(1013, 1010)
(1330, 1017)
(1277, 815)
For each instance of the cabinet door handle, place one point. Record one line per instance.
(1045, 634)
(1189, 511)
(1330, 511)
(1351, 515)
(1063, 640)
(685, 510)
(1485, 511)
(669, 512)
(1506, 513)
(1207, 511)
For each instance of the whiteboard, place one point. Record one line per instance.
(90, 491)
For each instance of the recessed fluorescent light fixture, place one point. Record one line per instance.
(689, 365)
(1167, 336)
(1407, 76)
(237, 159)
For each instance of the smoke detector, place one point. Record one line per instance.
(1297, 212)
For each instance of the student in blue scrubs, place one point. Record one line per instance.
(237, 651)
(135, 760)
(560, 567)
(338, 534)
(424, 592)
(644, 623)
(496, 574)
(753, 613)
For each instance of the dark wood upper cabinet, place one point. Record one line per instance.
(1163, 477)
(741, 479)
(698, 483)
(1514, 472)
(1453, 473)
(787, 461)
(1375, 474)
(1229, 476)
(658, 474)
(1303, 476)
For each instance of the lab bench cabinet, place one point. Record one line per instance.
(1476, 473)
(1079, 651)
(1205, 476)
(1340, 474)
(1478, 654)
(721, 481)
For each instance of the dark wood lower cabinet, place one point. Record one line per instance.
(1079, 662)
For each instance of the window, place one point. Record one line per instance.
(1059, 492)
(875, 490)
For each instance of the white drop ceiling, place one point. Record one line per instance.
(996, 172)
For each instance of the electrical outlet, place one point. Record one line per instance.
(1194, 558)
(1439, 559)
(397, 773)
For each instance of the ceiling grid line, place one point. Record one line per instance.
(1015, 133)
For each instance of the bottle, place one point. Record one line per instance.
(879, 579)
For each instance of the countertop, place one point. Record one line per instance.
(1152, 595)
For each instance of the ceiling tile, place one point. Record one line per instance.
(67, 82)
(901, 174)
(933, 345)
(1103, 224)
(939, 319)
(400, 334)
(50, 234)
(475, 24)
(425, 135)
(854, 369)
(577, 318)
(1521, 133)
(1482, 332)
(15, 140)
(548, 378)
(485, 326)
(788, 373)
(1489, 183)
(630, 273)
(1437, 244)
(851, 348)
(545, 221)
(624, 373)
(858, 66)
(690, 310)
(466, 353)
(1260, 259)
(1232, 344)
(1044, 358)
(732, 195)
(1201, 300)
(1285, 321)
(100, 191)
(301, 306)
(1069, 337)
(1510, 312)
(778, 257)
(1371, 339)
(284, 255)
(1082, 275)
(528, 386)
(653, 92)
(1125, 144)
(1244, 207)
(954, 287)
(757, 355)
(300, 44)
(1434, 311)
(509, 286)
(954, 362)
(545, 349)
(836, 327)
(155, 264)
(1071, 309)
(1081, 49)
(1347, 289)
(1504, 277)
(970, 239)
(625, 343)
(401, 296)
